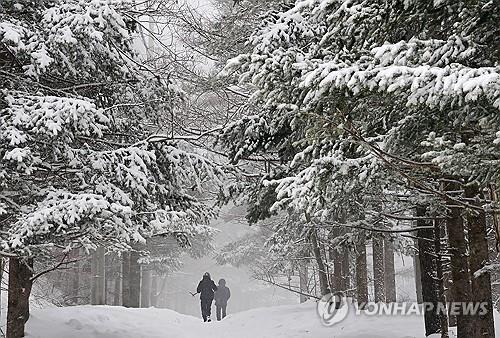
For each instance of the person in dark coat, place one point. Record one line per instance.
(221, 297)
(206, 289)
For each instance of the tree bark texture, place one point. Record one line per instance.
(459, 260)
(20, 274)
(428, 267)
(390, 273)
(483, 325)
(378, 268)
(361, 272)
(322, 274)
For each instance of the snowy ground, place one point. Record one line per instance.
(281, 321)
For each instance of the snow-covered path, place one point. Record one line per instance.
(283, 321)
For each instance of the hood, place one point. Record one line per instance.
(222, 282)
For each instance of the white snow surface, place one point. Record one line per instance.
(272, 322)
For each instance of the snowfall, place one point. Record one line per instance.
(279, 321)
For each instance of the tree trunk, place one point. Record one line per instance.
(135, 280)
(335, 256)
(346, 272)
(20, 274)
(1, 280)
(390, 274)
(459, 265)
(322, 274)
(145, 287)
(126, 279)
(418, 276)
(337, 277)
(483, 325)
(493, 229)
(361, 272)
(98, 286)
(378, 268)
(452, 319)
(428, 266)
(303, 281)
(443, 316)
(447, 278)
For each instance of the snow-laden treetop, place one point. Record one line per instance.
(79, 165)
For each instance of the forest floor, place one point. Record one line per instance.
(291, 321)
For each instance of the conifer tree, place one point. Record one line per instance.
(85, 160)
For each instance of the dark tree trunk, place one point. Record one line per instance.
(459, 263)
(452, 319)
(20, 274)
(337, 276)
(428, 266)
(492, 223)
(443, 316)
(447, 278)
(2, 262)
(135, 280)
(346, 272)
(337, 279)
(126, 279)
(322, 274)
(361, 272)
(378, 268)
(483, 325)
(390, 273)
(418, 276)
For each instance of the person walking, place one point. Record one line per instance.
(221, 297)
(206, 289)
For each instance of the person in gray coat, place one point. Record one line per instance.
(221, 297)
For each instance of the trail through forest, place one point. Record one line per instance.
(273, 322)
(288, 321)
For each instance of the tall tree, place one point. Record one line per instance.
(389, 270)
(361, 272)
(134, 280)
(459, 262)
(361, 95)
(479, 257)
(79, 164)
(428, 267)
(20, 283)
(378, 267)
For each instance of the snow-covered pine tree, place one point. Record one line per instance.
(81, 160)
(350, 85)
